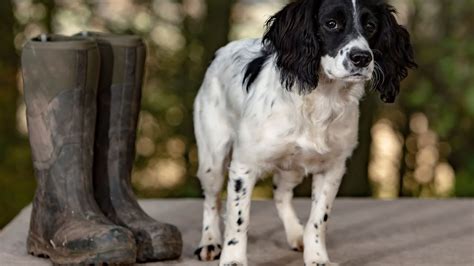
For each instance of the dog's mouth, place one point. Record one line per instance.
(355, 77)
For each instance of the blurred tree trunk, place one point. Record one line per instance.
(204, 35)
(216, 27)
(8, 91)
(49, 13)
(356, 181)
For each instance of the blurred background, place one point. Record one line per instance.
(422, 146)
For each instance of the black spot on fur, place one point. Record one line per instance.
(240, 221)
(275, 187)
(232, 242)
(325, 217)
(316, 226)
(207, 228)
(238, 185)
(209, 248)
(254, 68)
(208, 170)
(197, 252)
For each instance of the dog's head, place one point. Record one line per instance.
(349, 40)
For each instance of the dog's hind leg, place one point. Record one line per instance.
(211, 174)
(283, 184)
(214, 141)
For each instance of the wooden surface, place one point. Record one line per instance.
(361, 232)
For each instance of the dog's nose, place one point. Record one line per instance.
(360, 58)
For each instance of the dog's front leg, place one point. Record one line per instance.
(324, 190)
(239, 190)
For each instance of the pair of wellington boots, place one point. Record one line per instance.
(82, 95)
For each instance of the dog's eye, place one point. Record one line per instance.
(370, 27)
(332, 24)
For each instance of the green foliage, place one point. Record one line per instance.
(443, 85)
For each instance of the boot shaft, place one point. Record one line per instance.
(118, 104)
(60, 76)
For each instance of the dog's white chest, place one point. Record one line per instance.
(316, 146)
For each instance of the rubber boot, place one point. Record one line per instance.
(60, 81)
(118, 105)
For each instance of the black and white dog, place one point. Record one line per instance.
(289, 104)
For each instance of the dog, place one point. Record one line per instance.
(288, 104)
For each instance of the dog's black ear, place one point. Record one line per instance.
(393, 54)
(292, 35)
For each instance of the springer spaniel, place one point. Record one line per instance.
(288, 104)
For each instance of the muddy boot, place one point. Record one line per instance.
(118, 106)
(60, 81)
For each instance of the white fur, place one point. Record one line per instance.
(270, 129)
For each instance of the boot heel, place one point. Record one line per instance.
(36, 246)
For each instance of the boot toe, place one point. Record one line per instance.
(158, 241)
(96, 244)
(115, 244)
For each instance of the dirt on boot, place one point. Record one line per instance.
(60, 81)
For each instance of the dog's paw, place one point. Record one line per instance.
(295, 239)
(320, 263)
(209, 252)
(297, 244)
(314, 263)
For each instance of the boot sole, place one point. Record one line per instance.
(60, 256)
